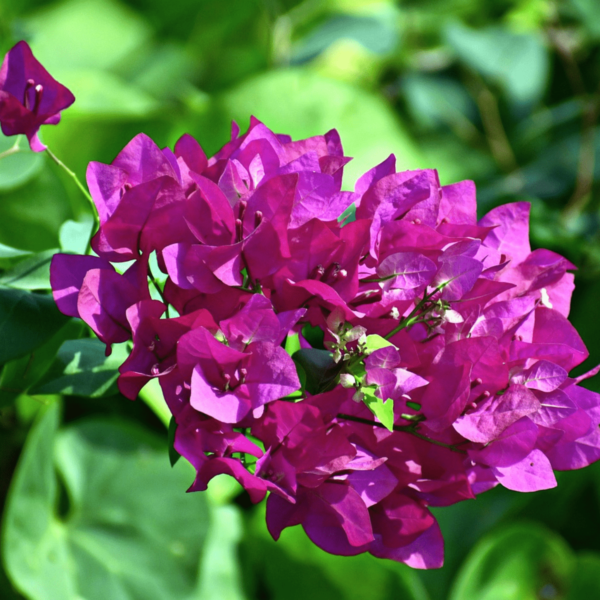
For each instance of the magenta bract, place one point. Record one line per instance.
(29, 96)
(428, 353)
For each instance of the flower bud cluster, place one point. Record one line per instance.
(360, 366)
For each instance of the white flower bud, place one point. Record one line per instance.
(358, 396)
(347, 380)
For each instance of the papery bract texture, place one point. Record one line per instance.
(360, 368)
(29, 96)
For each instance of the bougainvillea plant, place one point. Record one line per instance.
(356, 356)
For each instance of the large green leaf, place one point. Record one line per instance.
(301, 103)
(81, 368)
(519, 562)
(377, 33)
(94, 34)
(31, 215)
(19, 375)
(27, 320)
(104, 95)
(585, 582)
(125, 530)
(518, 62)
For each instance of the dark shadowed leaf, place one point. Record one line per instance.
(19, 375)
(27, 320)
(319, 367)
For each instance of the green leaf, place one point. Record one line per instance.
(27, 320)
(348, 216)
(292, 343)
(81, 368)
(33, 273)
(434, 100)
(319, 366)
(18, 168)
(515, 563)
(219, 574)
(518, 62)
(105, 95)
(103, 32)
(384, 411)
(6, 252)
(377, 34)
(74, 236)
(585, 583)
(313, 335)
(19, 375)
(174, 456)
(376, 342)
(31, 216)
(128, 531)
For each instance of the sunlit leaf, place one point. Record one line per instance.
(128, 531)
(81, 368)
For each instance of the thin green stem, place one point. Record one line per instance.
(78, 183)
(410, 429)
(12, 150)
(411, 320)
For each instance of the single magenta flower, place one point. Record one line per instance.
(29, 96)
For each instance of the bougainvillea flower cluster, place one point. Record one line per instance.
(358, 356)
(29, 96)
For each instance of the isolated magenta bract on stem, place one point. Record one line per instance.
(29, 96)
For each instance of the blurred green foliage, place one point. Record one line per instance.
(504, 93)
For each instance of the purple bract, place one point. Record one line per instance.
(29, 96)
(358, 368)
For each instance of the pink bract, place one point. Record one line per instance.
(29, 96)
(428, 352)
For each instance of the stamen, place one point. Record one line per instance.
(483, 396)
(39, 91)
(332, 271)
(155, 370)
(28, 85)
(243, 373)
(243, 204)
(318, 272)
(476, 382)
(258, 217)
(239, 231)
(227, 379)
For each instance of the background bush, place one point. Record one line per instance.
(504, 93)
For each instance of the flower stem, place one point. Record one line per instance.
(77, 183)
(12, 150)
(413, 317)
(405, 428)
